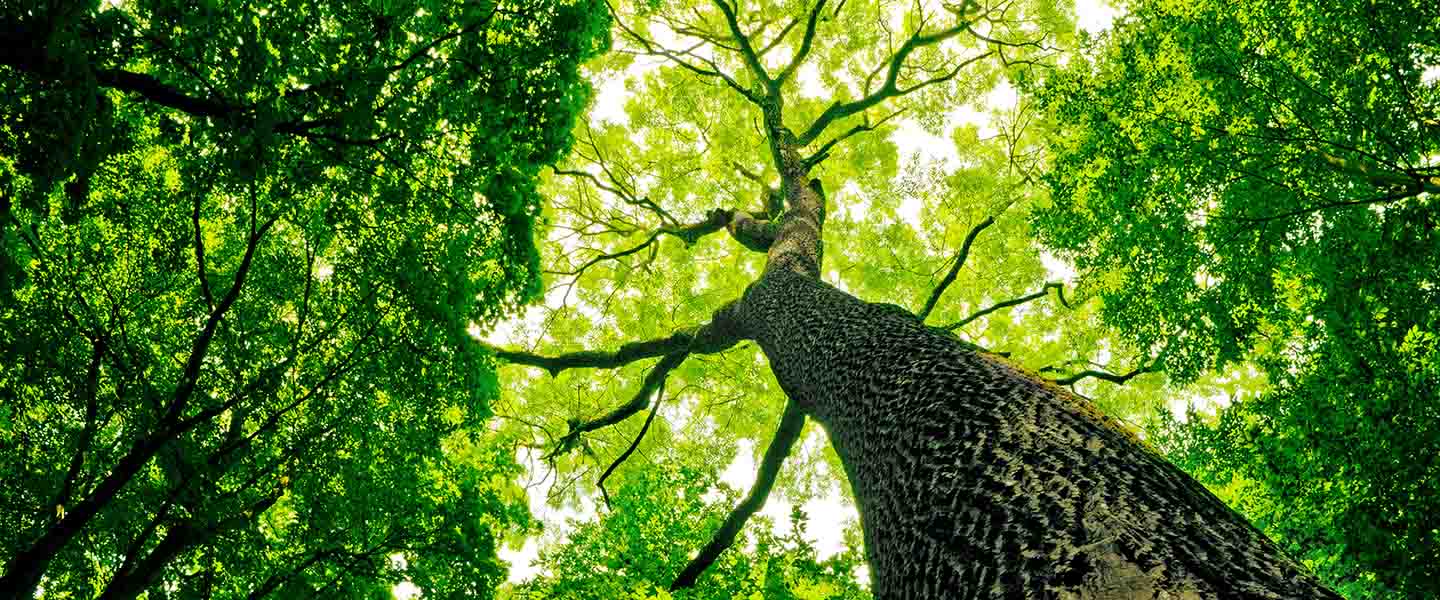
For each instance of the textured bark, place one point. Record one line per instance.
(975, 479)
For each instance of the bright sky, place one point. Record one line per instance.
(828, 513)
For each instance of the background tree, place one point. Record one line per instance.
(242, 248)
(1259, 179)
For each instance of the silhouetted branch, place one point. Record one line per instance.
(1009, 303)
(714, 221)
(779, 37)
(722, 332)
(805, 44)
(747, 52)
(590, 359)
(865, 125)
(653, 381)
(654, 408)
(623, 194)
(954, 268)
(654, 49)
(791, 424)
(1411, 192)
(891, 87)
(1153, 367)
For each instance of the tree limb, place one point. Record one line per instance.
(1411, 192)
(653, 381)
(723, 331)
(747, 52)
(715, 221)
(960, 258)
(890, 88)
(824, 151)
(90, 393)
(791, 424)
(805, 43)
(628, 197)
(654, 408)
(1007, 304)
(654, 49)
(590, 359)
(780, 37)
(200, 252)
(754, 234)
(1153, 367)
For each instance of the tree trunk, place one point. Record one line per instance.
(976, 479)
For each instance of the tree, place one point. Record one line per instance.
(242, 248)
(1259, 180)
(972, 476)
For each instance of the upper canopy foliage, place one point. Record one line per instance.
(243, 245)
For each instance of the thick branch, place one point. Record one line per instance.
(786, 435)
(752, 233)
(719, 334)
(955, 268)
(723, 331)
(590, 359)
(1009, 303)
(752, 60)
(130, 583)
(805, 44)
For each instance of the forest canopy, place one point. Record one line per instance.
(243, 245)
(400, 297)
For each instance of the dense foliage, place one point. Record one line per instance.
(659, 516)
(243, 245)
(245, 249)
(1259, 179)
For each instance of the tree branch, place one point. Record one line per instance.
(1009, 303)
(791, 424)
(590, 359)
(949, 278)
(805, 43)
(1411, 192)
(654, 408)
(653, 381)
(784, 31)
(715, 221)
(90, 392)
(654, 49)
(754, 234)
(865, 125)
(191, 374)
(625, 195)
(1153, 367)
(752, 60)
(891, 88)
